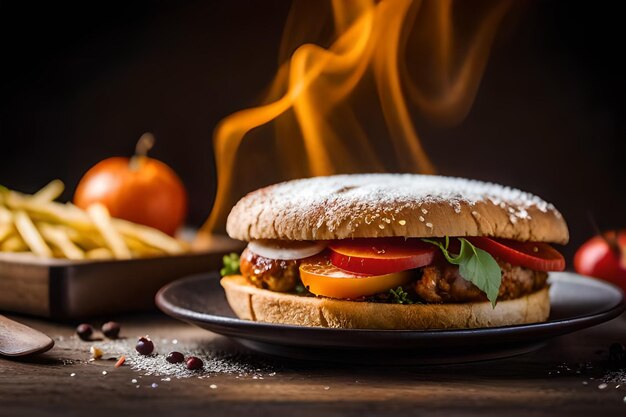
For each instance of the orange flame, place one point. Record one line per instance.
(382, 57)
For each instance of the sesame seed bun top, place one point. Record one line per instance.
(388, 205)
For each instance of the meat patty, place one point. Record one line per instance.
(440, 283)
(270, 274)
(443, 283)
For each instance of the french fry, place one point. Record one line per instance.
(150, 236)
(52, 212)
(147, 252)
(101, 218)
(48, 228)
(6, 230)
(30, 234)
(50, 192)
(99, 253)
(86, 241)
(14, 243)
(140, 249)
(3, 192)
(5, 215)
(6, 224)
(58, 238)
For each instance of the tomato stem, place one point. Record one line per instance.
(610, 237)
(144, 144)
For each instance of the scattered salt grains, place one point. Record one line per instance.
(73, 374)
(216, 361)
(609, 378)
(429, 225)
(615, 377)
(401, 222)
(421, 218)
(213, 386)
(154, 385)
(326, 388)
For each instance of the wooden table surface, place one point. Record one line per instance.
(549, 381)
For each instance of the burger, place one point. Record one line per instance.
(393, 251)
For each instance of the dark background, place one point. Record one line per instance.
(82, 81)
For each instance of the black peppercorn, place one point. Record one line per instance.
(194, 363)
(175, 357)
(84, 331)
(111, 329)
(144, 346)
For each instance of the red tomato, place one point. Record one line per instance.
(598, 259)
(323, 278)
(381, 256)
(534, 255)
(141, 189)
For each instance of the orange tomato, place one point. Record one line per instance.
(142, 190)
(321, 277)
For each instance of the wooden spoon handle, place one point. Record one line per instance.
(17, 339)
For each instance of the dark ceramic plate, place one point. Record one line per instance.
(577, 302)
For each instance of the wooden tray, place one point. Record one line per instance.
(65, 289)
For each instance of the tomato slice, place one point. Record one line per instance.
(381, 256)
(534, 255)
(321, 277)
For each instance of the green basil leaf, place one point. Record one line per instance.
(479, 268)
(476, 266)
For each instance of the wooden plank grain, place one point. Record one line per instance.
(25, 288)
(545, 382)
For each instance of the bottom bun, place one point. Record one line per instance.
(256, 304)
